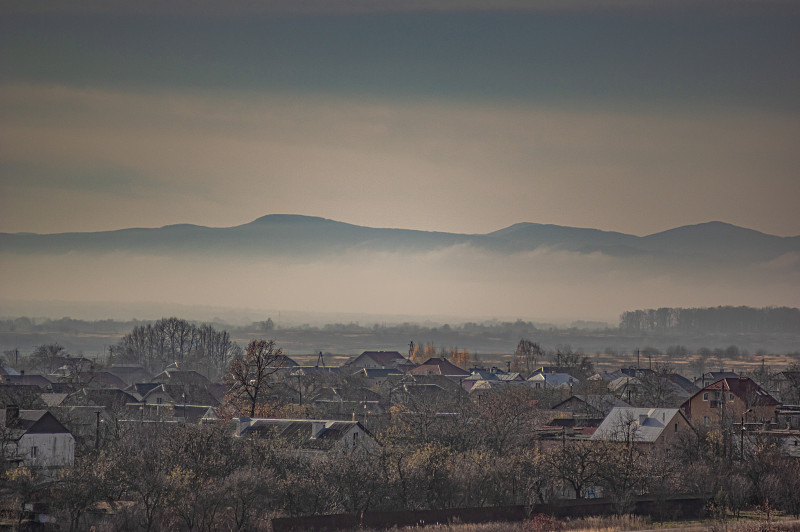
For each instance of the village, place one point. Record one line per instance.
(273, 443)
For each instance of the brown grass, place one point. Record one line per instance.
(605, 524)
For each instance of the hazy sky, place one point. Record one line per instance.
(463, 116)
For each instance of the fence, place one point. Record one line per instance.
(671, 508)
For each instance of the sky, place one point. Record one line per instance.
(460, 116)
(463, 116)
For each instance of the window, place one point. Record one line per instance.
(730, 397)
(159, 400)
(706, 420)
(705, 396)
(676, 428)
(355, 438)
(34, 451)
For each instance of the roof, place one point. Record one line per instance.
(180, 376)
(130, 373)
(7, 370)
(335, 394)
(555, 379)
(601, 404)
(509, 377)
(184, 394)
(100, 379)
(621, 382)
(33, 422)
(478, 375)
(378, 373)
(744, 387)
(385, 359)
(439, 366)
(305, 433)
(644, 424)
(39, 380)
(107, 398)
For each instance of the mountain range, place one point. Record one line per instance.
(308, 264)
(295, 235)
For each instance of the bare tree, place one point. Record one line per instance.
(526, 355)
(657, 388)
(250, 374)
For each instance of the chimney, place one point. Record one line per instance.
(12, 414)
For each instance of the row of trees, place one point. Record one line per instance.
(721, 319)
(168, 340)
(158, 476)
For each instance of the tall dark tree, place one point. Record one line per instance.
(250, 374)
(527, 354)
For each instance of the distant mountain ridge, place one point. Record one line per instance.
(297, 235)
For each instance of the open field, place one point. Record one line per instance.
(616, 524)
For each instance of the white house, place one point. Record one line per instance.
(35, 438)
(553, 380)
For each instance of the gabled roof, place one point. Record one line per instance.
(7, 370)
(478, 375)
(439, 366)
(319, 434)
(39, 380)
(179, 376)
(642, 424)
(602, 404)
(377, 373)
(509, 377)
(335, 394)
(745, 388)
(34, 422)
(554, 379)
(100, 379)
(385, 359)
(107, 398)
(622, 382)
(130, 373)
(184, 394)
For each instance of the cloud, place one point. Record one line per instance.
(459, 281)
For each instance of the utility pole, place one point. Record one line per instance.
(97, 431)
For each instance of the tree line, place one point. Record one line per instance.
(722, 319)
(169, 340)
(167, 476)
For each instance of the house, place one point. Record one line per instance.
(711, 377)
(356, 401)
(440, 366)
(35, 438)
(39, 380)
(651, 428)
(738, 398)
(94, 379)
(181, 377)
(130, 373)
(590, 406)
(377, 375)
(378, 360)
(179, 394)
(309, 435)
(553, 381)
(785, 387)
(627, 388)
(107, 399)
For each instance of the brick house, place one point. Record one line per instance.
(735, 399)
